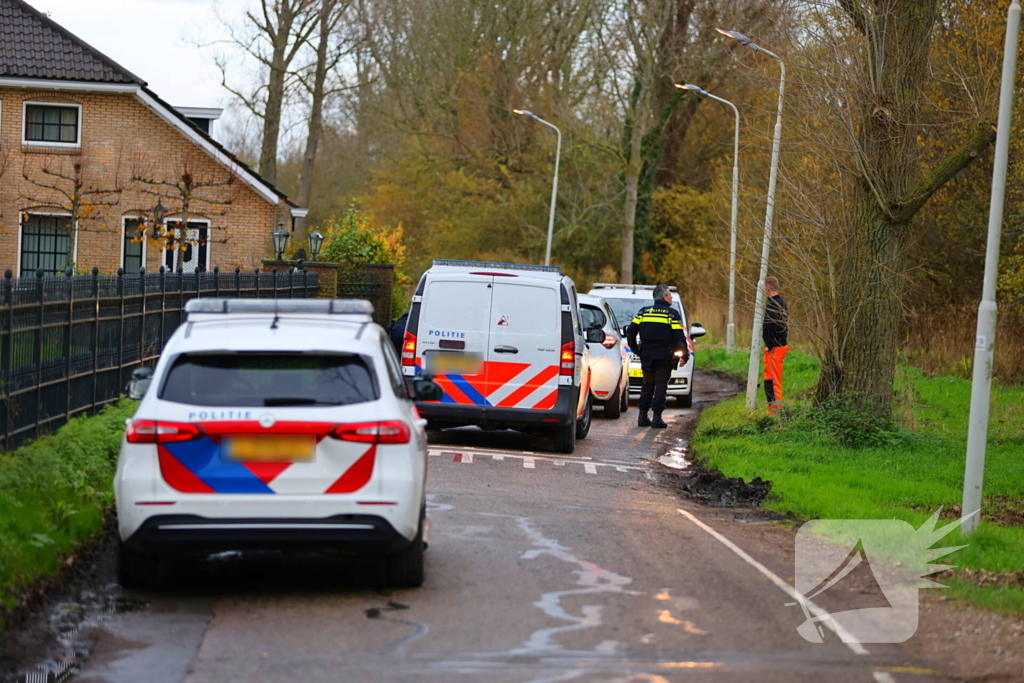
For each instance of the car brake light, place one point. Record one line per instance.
(156, 431)
(609, 341)
(409, 349)
(390, 431)
(567, 364)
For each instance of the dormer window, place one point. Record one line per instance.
(53, 125)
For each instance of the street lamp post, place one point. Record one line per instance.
(316, 242)
(984, 345)
(554, 184)
(280, 239)
(759, 302)
(730, 329)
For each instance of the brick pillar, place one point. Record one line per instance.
(328, 273)
(382, 274)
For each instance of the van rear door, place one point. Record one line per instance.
(524, 346)
(452, 339)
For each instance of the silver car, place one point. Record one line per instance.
(609, 361)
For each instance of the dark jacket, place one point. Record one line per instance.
(775, 330)
(397, 332)
(661, 331)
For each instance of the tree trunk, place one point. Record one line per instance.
(316, 109)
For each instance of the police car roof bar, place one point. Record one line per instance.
(494, 264)
(612, 285)
(281, 306)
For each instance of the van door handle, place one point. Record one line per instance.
(505, 349)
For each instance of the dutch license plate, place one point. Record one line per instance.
(271, 448)
(636, 372)
(634, 358)
(453, 363)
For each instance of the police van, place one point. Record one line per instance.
(505, 343)
(625, 301)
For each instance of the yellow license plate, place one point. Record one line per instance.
(451, 363)
(271, 448)
(636, 372)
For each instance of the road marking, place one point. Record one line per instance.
(466, 455)
(498, 456)
(884, 677)
(529, 463)
(843, 634)
(463, 457)
(559, 463)
(590, 468)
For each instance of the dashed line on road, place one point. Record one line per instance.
(529, 459)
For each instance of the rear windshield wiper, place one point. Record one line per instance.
(298, 401)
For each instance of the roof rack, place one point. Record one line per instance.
(494, 264)
(280, 306)
(599, 285)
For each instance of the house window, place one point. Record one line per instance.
(134, 248)
(191, 250)
(45, 243)
(51, 124)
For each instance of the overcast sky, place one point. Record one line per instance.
(149, 38)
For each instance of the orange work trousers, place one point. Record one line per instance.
(773, 360)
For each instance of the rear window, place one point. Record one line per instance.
(269, 379)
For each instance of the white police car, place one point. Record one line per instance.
(274, 424)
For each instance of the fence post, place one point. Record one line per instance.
(6, 351)
(291, 283)
(95, 336)
(40, 295)
(216, 282)
(142, 322)
(69, 339)
(120, 333)
(163, 307)
(238, 282)
(257, 272)
(273, 280)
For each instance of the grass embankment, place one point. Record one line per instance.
(825, 465)
(54, 496)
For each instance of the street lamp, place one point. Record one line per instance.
(759, 302)
(158, 218)
(730, 333)
(316, 241)
(280, 239)
(984, 343)
(554, 185)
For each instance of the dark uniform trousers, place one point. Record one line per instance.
(657, 372)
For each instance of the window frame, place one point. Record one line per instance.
(77, 144)
(394, 368)
(72, 239)
(176, 224)
(124, 242)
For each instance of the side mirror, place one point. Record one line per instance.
(595, 335)
(426, 390)
(625, 330)
(697, 330)
(139, 384)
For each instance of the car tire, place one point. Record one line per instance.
(137, 569)
(583, 425)
(613, 406)
(565, 438)
(405, 569)
(625, 399)
(686, 400)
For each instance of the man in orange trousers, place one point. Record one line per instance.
(775, 333)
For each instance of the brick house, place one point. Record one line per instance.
(89, 155)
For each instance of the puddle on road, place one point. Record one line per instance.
(66, 620)
(677, 457)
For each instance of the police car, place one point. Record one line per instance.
(625, 301)
(274, 424)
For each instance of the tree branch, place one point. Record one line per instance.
(944, 172)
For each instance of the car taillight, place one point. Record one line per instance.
(567, 364)
(409, 349)
(389, 431)
(158, 431)
(609, 341)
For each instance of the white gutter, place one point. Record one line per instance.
(47, 84)
(299, 212)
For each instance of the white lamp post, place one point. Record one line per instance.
(554, 185)
(755, 338)
(984, 344)
(730, 329)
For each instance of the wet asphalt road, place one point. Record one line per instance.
(541, 568)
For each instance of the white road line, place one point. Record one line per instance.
(884, 677)
(529, 463)
(621, 469)
(466, 458)
(590, 468)
(843, 634)
(498, 456)
(559, 463)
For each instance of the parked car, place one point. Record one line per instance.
(625, 301)
(274, 424)
(505, 343)
(609, 361)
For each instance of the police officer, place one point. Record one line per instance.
(661, 334)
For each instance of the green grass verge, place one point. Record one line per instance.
(907, 473)
(54, 495)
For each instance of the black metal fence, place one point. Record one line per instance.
(69, 343)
